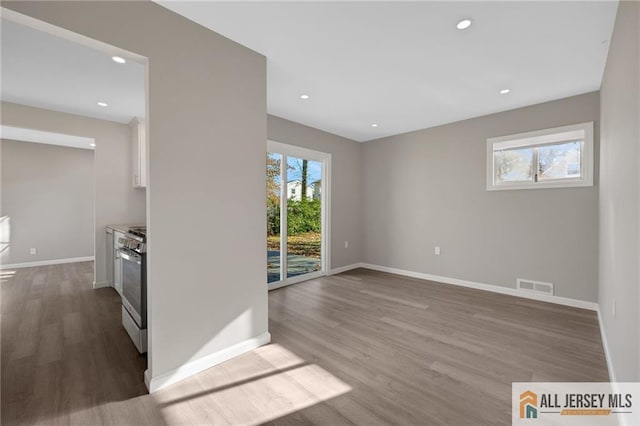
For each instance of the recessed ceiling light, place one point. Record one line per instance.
(464, 24)
(118, 59)
(505, 91)
(93, 144)
(374, 125)
(304, 96)
(103, 104)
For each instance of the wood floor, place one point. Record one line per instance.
(361, 347)
(64, 350)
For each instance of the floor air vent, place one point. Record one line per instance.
(535, 286)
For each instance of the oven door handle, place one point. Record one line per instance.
(131, 257)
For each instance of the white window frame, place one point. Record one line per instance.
(325, 208)
(556, 135)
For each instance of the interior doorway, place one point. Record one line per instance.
(298, 185)
(68, 89)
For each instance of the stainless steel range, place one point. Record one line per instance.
(132, 249)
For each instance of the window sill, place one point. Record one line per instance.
(541, 185)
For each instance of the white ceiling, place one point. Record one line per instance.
(45, 71)
(405, 66)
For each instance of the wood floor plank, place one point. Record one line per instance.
(359, 348)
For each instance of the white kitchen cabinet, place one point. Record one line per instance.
(110, 256)
(139, 152)
(117, 262)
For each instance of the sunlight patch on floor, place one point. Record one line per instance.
(265, 384)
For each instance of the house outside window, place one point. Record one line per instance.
(294, 190)
(552, 158)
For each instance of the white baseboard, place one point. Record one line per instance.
(193, 367)
(583, 304)
(605, 345)
(344, 268)
(47, 262)
(101, 284)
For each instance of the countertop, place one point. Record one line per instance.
(122, 228)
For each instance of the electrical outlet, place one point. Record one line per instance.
(32, 251)
(613, 308)
(436, 250)
(346, 244)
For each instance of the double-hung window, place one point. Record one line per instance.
(550, 158)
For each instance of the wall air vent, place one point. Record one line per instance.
(535, 286)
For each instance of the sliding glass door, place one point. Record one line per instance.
(304, 217)
(297, 179)
(274, 200)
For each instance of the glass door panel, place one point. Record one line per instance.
(297, 184)
(304, 216)
(274, 196)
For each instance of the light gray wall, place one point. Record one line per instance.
(47, 191)
(116, 201)
(620, 195)
(346, 186)
(206, 194)
(428, 188)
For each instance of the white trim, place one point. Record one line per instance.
(541, 137)
(47, 262)
(295, 280)
(195, 366)
(284, 248)
(605, 346)
(101, 284)
(324, 158)
(24, 134)
(583, 304)
(296, 151)
(325, 198)
(149, 237)
(536, 139)
(345, 268)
